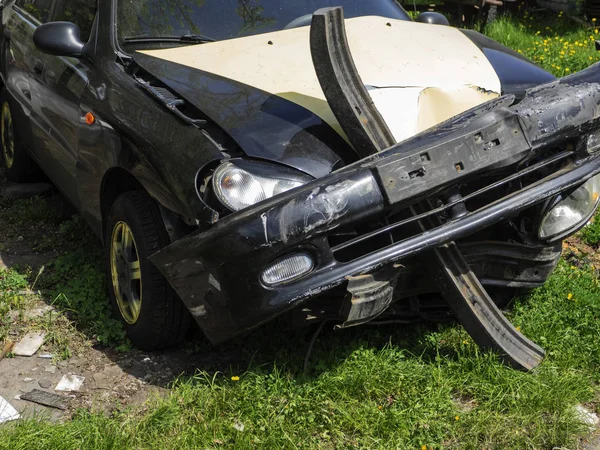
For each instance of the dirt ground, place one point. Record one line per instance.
(112, 378)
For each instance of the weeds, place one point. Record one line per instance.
(552, 41)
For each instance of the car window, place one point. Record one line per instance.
(80, 12)
(226, 19)
(38, 9)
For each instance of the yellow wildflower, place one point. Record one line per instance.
(518, 328)
(570, 296)
(235, 378)
(596, 31)
(423, 447)
(567, 69)
(456, 418)
(593, 19)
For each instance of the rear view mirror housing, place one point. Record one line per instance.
(433, 18)
(59, 39)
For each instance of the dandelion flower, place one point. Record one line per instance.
(456, 418)
(235, 378)
(593, 19)
(570, 296)
(567, 69)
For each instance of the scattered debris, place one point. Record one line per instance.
(70, 383)
(29, 344)
(587, 417)
(7, 412)
(45, 383)
(146, 360)
(238, 426)
(46, 356)
(27, 380)
(46, 399)
(6, 349)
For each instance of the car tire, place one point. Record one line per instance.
(13, 156)
(153, 315)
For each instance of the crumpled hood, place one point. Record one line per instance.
(264, 92)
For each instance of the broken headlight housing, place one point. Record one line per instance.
(570, 213)
(244, 183)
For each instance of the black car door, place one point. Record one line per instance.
(56, 92)
(20, 18)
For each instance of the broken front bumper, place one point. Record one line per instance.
(524, 154)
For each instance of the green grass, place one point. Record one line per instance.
(390, 387)
(404, 387)
(591, 233)
(552, 41)
(74, 281)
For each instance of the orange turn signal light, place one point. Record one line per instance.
(90, 118)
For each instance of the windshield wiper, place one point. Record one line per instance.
(195, 38)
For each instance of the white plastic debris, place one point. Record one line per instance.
(587, 417)
(7, 412)
(70, 383)
(238, 426)
(29, 344)
(46, 356)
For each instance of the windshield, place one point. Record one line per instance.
(226, 19)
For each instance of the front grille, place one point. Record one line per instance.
(400, 224)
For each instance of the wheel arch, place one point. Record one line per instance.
(118, 180)
(115, 182)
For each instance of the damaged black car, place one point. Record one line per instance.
(313, 160)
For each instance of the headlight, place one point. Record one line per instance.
(245, 183)
(572, 212)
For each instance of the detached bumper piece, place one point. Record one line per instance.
(484, 168)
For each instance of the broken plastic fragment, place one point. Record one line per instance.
(45, 398)
(29, 344)
(70, 383)
(7, 411)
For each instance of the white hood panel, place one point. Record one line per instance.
(409, 58)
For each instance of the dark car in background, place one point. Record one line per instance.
(243, 160)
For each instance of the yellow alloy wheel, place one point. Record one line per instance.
(126, 272)
(8, 137)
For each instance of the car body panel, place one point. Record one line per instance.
(209, 269)
(280, 63)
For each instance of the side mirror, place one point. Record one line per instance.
(59, 39)
(433, 18)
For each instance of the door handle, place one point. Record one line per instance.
(38, 66)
